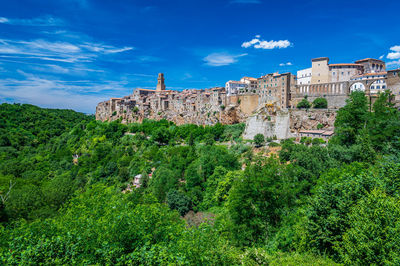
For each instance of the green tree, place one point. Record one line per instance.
(176, 200)
(351, 119)
(373, 235)
(259, 140)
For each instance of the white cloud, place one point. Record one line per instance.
(381, 57)
(57, 51)
(79, 95)
(257, 43)
(250, 43)
(393, 63)
(39, 21)
(221, 59)
(395, 54)
(395, 48)
(286, 64)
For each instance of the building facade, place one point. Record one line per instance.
(275, 88)
(304, 76)
(234, 87)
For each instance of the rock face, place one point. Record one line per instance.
(287, 123)
(200, 107)
(310, 119)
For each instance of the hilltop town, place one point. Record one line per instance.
(268, 104)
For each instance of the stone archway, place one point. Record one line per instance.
(357, 86)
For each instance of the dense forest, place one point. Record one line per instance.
(206, 196)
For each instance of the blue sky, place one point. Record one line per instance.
(75, 53)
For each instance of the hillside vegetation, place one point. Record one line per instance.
(205, 197)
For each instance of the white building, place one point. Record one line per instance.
(232, 87)
(304, 76)
(376, 87)
(251, 83)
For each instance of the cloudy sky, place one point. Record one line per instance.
(75, 53)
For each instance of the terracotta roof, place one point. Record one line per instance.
(345, 64)
(371, 74)
(367, 59)
(319, 59)
(145, 89)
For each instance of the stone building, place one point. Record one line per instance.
(252, 84)
(275, 88)
(202, 107)
(393, 84)
(234, 87)
(304, 76)
(160, 83)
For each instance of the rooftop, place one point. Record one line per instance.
(346, 64)
(368, 59)
(319, 59)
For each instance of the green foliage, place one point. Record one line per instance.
(67, 193)
(304, 104)
(259, 140)
(320, 103)
(351, 119)
(178, 201)
(373, 234)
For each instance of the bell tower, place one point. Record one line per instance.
(160, 82)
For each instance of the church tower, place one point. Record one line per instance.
(160, 82)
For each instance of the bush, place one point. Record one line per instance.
(259, 140)
(320, 126)
(303, 104)
(317, 141)
(320, 103)
(274, 144)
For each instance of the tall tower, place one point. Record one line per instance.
(160, 82)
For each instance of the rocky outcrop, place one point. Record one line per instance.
(287, 123)
(311, 119)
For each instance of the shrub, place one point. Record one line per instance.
(274, 144)
(303, 104)
(320, 103)
(259, 140)
(320, 126)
